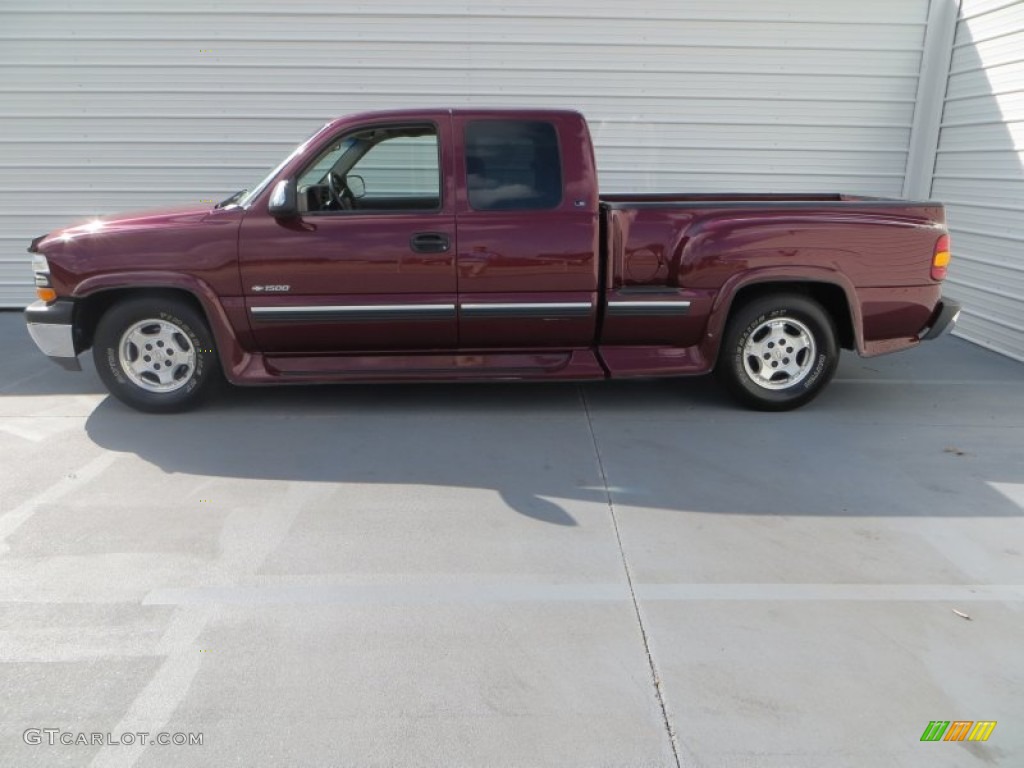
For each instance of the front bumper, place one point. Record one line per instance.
(52, 329)
(944, 318)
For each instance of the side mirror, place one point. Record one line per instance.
(283, 200)
(356, 185)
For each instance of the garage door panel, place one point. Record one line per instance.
(625, 180)
(865, 11)
(1001, 79)
(321, 58)
(993, 52)
(686, 135)
(991, 23)
(518, 79)
(982, 218)
(1001, 164)
(979, 190)
(985, 117)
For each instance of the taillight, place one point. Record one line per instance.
(940, 258)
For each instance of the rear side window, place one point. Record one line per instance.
(512, 165)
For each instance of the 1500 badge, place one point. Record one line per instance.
(272, 288)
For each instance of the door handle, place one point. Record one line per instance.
(429, 242)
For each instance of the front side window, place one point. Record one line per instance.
(386, 169)
(512, 165)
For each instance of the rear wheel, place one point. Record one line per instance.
(155, 354)
(778, 352)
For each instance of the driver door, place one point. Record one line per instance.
(369, 264)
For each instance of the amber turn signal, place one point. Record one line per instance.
(46, 294)
(940, 258)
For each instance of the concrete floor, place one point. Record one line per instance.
(620, 574)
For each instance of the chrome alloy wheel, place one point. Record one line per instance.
(157, 356)
(779, 353)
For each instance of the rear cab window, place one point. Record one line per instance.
(513, 165)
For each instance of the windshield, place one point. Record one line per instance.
(246, 196)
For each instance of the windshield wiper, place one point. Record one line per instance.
(231, 199)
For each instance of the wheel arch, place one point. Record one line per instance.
(831, 290)
(94, 297)
(91, 307)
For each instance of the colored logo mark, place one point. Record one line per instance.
(958, 730)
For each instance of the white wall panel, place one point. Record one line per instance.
(116, 104)
(979, 172)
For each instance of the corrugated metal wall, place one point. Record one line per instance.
(979, 172)
(112, 105)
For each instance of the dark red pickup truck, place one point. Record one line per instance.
(473, 244)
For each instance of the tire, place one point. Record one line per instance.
(778, 352)
(156, 354)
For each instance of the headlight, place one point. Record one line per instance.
(40, 265)
(41, 268)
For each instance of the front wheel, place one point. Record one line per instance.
(155, 354)
(778, 352)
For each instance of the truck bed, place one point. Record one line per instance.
(698, 248)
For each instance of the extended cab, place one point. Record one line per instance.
(473, 244)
